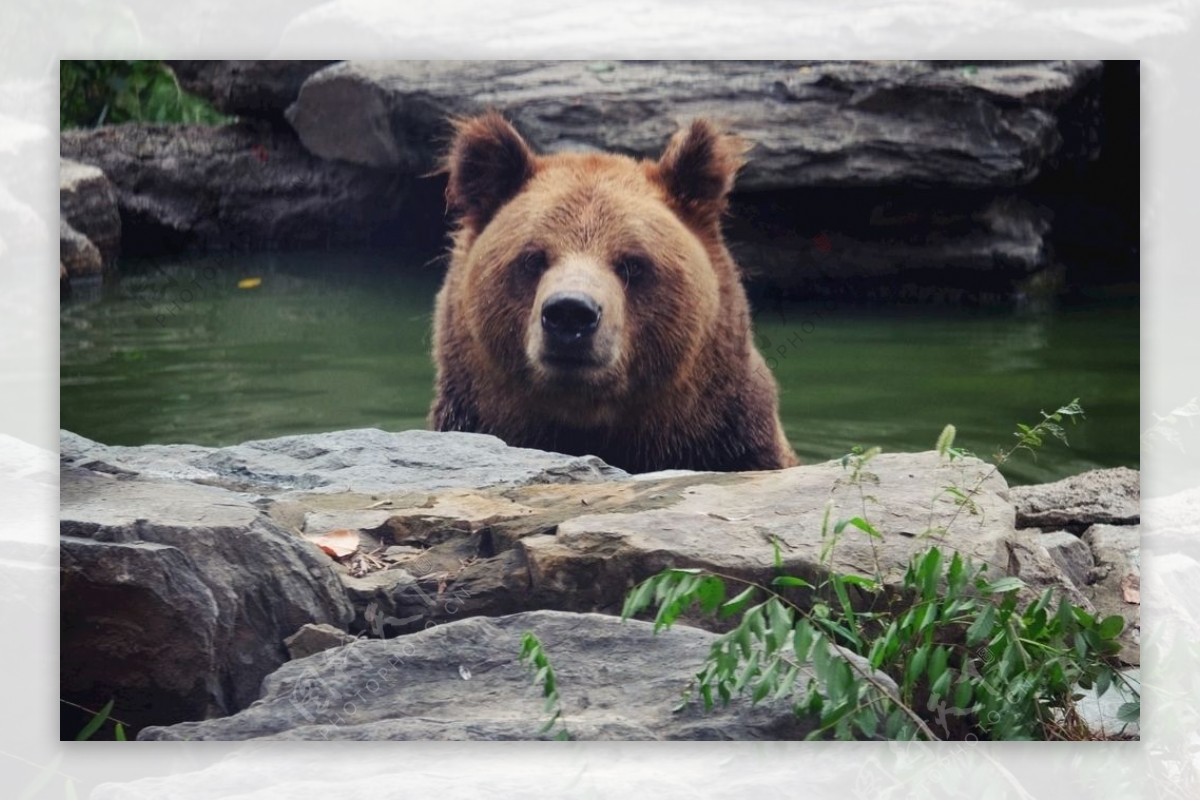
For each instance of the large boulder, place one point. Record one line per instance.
(463, 681)
(239, 186)
(247, 88)
(815, 123)
(176, 598)
(87, 203)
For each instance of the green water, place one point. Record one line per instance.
(175, 351)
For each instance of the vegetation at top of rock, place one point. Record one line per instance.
(955, 650)
(94, 93)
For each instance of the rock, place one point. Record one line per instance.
(463, 681)
(260, 89)
(1031, 561)
(176, 598)
(1071, 554)
(76, 253)
(358, 461)
(452, 526)
(1097, 496)
(1114, 584)
(591, 560)
(241, 186)
(889, 245)
(582, 546)
(313, 638)
(1100, 712)
(812, 123)
(87, 203)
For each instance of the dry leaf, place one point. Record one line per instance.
(1131, 589)
(337, 544)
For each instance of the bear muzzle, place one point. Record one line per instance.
(569, 324)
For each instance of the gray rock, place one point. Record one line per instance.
(1100, 712)
(361, 460)
(176, 598)
(313, 638)
(463, 681)
(246, 88)
(87, 201)
(813, 123)
(77, 255)
(1097, 496)
(1114, 584)
(890, 245)
(591, 560)
(240, 186)
(1071, 553)
(1031, 561)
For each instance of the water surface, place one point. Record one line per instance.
(175, 351)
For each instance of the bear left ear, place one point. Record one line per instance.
(488, 163)
(698, 168)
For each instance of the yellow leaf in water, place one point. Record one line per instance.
(249, 283)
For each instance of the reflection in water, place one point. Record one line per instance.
(176, 352)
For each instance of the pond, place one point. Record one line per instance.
(177, 351)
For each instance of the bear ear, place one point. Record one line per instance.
(488, 163)
(698, 168)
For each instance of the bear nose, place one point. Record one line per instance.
(570, 316)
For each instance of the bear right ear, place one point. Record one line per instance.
(699, 166)
(488, 164)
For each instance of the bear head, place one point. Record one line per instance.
(590, 283)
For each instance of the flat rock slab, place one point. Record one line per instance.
(359, 460)
(463, 681)
(1097, 496)
(176, 598)
(813, 123)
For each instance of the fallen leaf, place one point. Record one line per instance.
(1131, 588)
(337, 544)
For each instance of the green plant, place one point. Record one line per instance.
(963, 652)
(93, 93)
(959, 648)
(534, 655)
(97, 721)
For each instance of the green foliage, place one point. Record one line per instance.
(534, 655)
(93, 93)
(97, 722)
(967, 657)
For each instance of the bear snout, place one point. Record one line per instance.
(569, 319)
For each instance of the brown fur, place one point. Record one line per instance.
(676, 381)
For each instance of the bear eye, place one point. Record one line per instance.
(633, 267)
(532, 262)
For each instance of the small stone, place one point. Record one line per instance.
(312, 638)
(1071, 553)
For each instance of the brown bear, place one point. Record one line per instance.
(591, 306)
